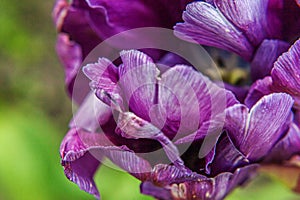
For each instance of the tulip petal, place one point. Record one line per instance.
(131, 126)
(91, 114)
(138, 77)
(188, 185)
(104, 79)
(288, 146)
(69, 53)
(186, 94)
(227, 157)
(254, 22)
(83, 151)
(265, 56)
(286, 72)
(273, 109)
(259, 89)
(206, 25)
(138, 14)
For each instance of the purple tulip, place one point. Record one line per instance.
(181, 134)
(149, 110)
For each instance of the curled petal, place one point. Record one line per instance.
(83, 151)
(104, 77)
(207, 25)
(286, 72)
(131, 126)
(249, 16)
(79, 165)
(59, 13)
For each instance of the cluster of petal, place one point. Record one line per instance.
(175, 130)
(137, 111)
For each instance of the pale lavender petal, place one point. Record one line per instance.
(265, 56)
(207, 25)
(91, 114)
(257, 90)
(286, 72)
(186, 94)
(131, 126)
(104, 81)
(138, 77)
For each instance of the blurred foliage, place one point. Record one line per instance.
(35, 111)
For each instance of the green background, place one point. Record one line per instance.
(34, 114)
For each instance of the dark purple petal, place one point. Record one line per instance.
(265, 56)
(149, 188)
(288, 146)
(82, 152)
(239, 92)
(257, 90)
(170, 60)
(289, 14)
(297, 117)
(112, 17)
(81, 172)
(91, 114)
(188, 185)
(69, 53)
(252, 137)
(207, 25)
(138, 77)
(227, 157)
(286, 72)
(79, 165)
(72, 19)
(249, 16)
